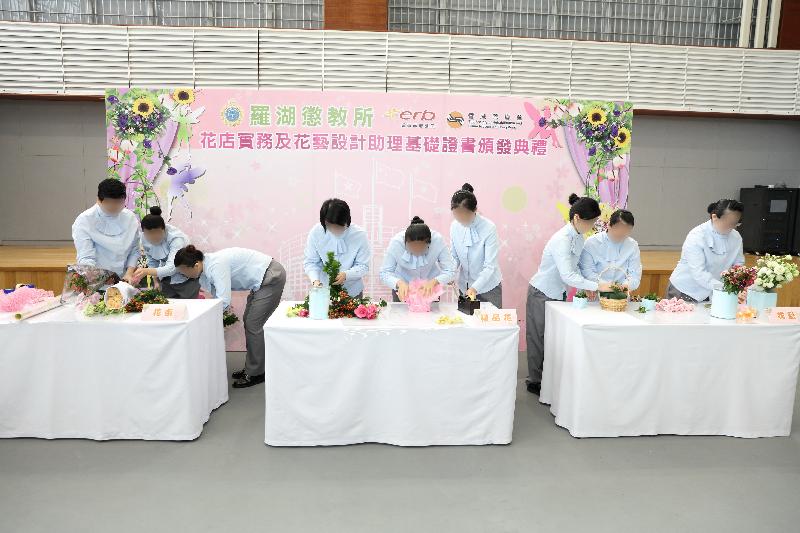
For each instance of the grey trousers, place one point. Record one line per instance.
(494, 296)
(672, 292)
(534, 332)
(187, 290)
(260, 306)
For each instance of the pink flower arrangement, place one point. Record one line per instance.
(367, 312)
(738, 278)
(674, 305)
(22, 297)
(419, 303)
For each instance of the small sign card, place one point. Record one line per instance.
(496, 317)
(784, 315)
(164, 312)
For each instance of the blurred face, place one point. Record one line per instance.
(727, 222)
(417, 247)
(154, 236)
(191, 272)
(619, 231)
(582, 226)
(463, 215)
(335, 229)
(112, 206)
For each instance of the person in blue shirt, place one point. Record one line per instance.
(160, 242)
(613, 248)
(416, 253)
(240, 269)
(107, 234)
(709, 249)
(347, 241)
(475, 247)
(558, 270)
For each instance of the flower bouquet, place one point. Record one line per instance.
(27, 301)
(674, 305)
(342, 305)
(772, 272)
(83, 280)
(118, 295)
(736, 279)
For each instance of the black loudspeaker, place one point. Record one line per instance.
(770, 223)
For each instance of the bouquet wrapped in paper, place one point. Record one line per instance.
(84, 280)
(118, 295)
(26, 301)
(419, 302)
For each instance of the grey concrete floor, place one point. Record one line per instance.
(228, 480)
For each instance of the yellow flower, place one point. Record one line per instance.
(183, 96)
(623, 137)
(143, 107)
(596, 116)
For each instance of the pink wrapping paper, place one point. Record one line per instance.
(417, 303)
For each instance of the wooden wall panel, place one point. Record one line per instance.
(361, 15)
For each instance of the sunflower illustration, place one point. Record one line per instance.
(623, 138)
(596, 116)
(183, 96)
(143, 106)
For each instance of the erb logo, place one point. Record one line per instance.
(455, 119)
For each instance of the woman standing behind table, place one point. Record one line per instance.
(161, 243)
(613, 248)
(416, 253)
(709, 249)
(348, 242)
(240, 269)
(558, 270)
(474, 246)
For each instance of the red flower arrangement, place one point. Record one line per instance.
(738, 278)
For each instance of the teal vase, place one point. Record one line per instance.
(319, 301)
(724, 304)
(760, 300)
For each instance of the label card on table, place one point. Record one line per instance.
(497, 317)
(785, 315)
(164, 312)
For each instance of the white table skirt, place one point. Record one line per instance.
(615, 374)
(401, 379)
(66, 376)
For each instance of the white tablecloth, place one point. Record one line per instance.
(66, 376)
(613, 374)
(401, 379)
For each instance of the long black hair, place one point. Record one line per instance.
(465, 198)
(188, 256)
(586, 208)
(154, 220)
(334, 211)
(418, 231)
(720, 206)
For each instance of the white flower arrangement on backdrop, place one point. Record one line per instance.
(772, 271)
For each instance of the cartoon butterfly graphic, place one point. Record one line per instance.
(540, 121)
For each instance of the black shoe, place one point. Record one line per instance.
(533, 388)
(248, 381)
(239, 374)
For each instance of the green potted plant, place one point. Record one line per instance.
(580, 300)
(649, 302)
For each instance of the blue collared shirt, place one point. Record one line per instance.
(600, 252)
(233, 269)
(352, 250)
(161, 256)
(705, 255)
(559, 267)
(110, 242)
(399, 263)
(475, 249)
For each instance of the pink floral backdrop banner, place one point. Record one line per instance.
(251, 167)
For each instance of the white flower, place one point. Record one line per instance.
(769, 285)
(574, 109)
(789, 277)
(763, 271)
(788, 257)
(620, 161)
(127, 146)
(758, 281)
(779, 269)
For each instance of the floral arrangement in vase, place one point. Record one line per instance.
(772, 271)
(737, 278)
(342, 305)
